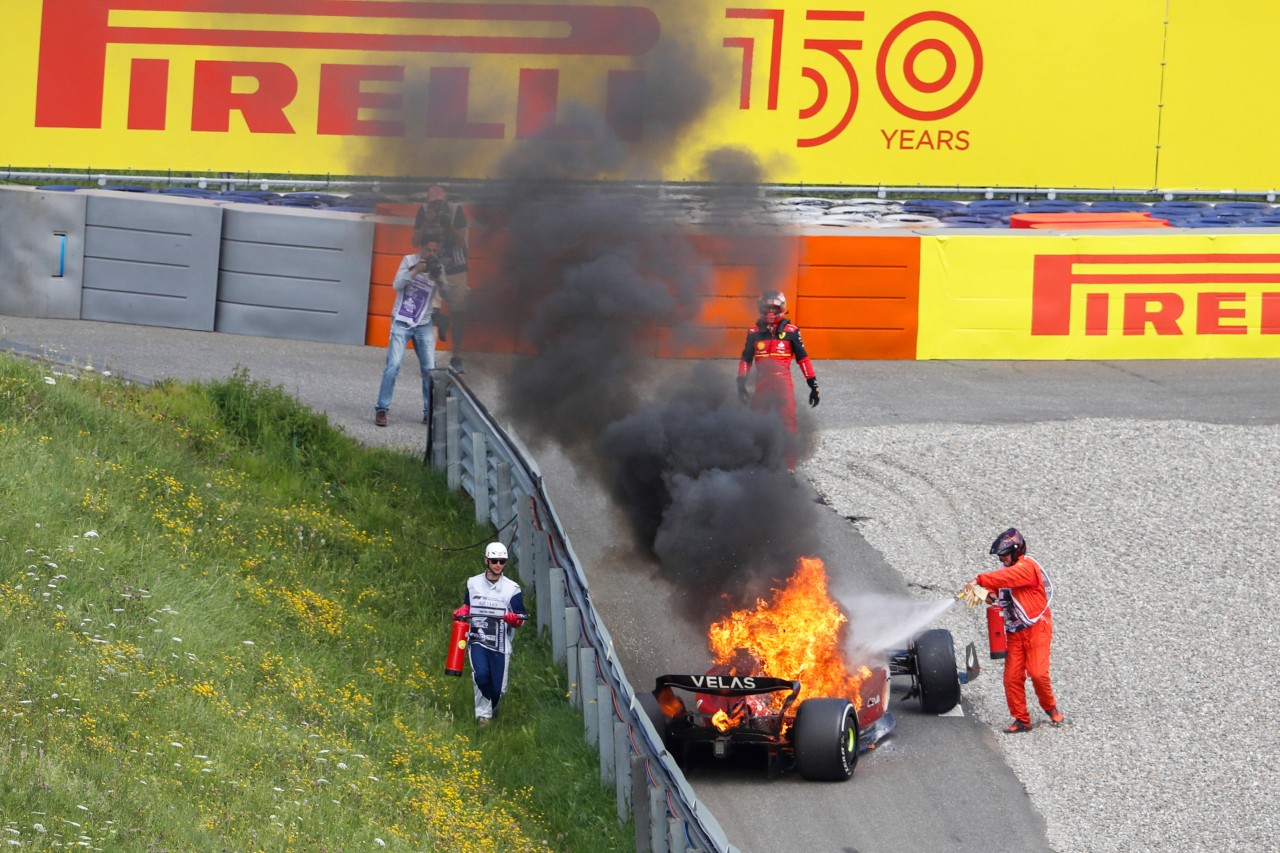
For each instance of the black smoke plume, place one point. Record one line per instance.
(598, 272)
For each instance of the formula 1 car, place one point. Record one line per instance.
(821, 737)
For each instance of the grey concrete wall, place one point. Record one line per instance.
(150, 260)
(289, 273)
(40, 269)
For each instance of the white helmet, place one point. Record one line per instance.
(495, 551)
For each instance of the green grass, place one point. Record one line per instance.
(222, 627)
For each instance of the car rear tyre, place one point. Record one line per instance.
(653, 711)
(825, 739)
(936, 671)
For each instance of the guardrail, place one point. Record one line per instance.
(409, 185)
(494, 468)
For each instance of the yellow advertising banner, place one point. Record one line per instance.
(944, 93)
(1019, 295)
(1218, 120)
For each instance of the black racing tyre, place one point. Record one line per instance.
(825, 739)
(935, 658)
(653, 711)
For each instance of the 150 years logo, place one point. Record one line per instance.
(927, 68)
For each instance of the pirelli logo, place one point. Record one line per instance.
(76, 36)
(1157, 294)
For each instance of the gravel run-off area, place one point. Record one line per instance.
(1161, 540)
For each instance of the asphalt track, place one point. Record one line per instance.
(939, 783)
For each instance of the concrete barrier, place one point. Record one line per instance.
(41, 253)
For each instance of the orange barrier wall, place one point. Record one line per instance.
(854, 297)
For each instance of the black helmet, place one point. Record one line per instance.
(1009, 542)
(772, 299)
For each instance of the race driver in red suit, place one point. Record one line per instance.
(771, 344)
(1023, 590)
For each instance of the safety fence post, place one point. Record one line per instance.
(658, 820)
(453, 443)
(502, 508)
(572, 631)
(640, 804)
(604, 713)
(480, 476)
(675, 835)
(621, 763)
(556, 582)
(438, 423)
(524, 546)
(587, 687)
(542, 582)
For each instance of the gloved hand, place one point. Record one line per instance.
(973, 595)
(743, 396)
(515, 620)
(814, 396)
(462, 613)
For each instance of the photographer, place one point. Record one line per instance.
(420, 277)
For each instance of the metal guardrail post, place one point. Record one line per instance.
(658, 820)
(675, 835)
(640, 804)
(622, 769)
(503, 511)
(524, 546)
(587, 687)
(453, 443)
(572, 631)
(604, 725)
(542, 570)
(480, 475)
(557, 614)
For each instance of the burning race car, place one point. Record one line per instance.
(846, 708)
(820, 737)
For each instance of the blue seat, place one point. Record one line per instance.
(971, 222)
(1185, 206)
(1055, 205)
(124, 188)
(59, 188)
(189, 192)
(319, 198)
(1257, 208)
(930, 206)
(262, 195)
(996, 205)
(1112, 206)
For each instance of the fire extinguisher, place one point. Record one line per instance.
(457, 646)
(995, 631)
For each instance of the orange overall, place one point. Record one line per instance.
(1029, 627)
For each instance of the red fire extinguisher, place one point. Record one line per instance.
(457, 646)
(995, 631)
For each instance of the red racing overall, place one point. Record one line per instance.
(771, 347)
(1029, 628)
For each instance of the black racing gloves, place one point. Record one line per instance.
(742, 390)
(814, 396)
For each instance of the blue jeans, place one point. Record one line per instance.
(424, 344)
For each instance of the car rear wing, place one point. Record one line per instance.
(727, 685)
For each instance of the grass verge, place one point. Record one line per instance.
(222, 627)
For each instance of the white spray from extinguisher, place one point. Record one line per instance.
(880, 623)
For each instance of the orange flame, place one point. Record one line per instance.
(724, 722)
(796, 635)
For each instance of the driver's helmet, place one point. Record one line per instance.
(1009, 542)
(495, 551)
(773, 305)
